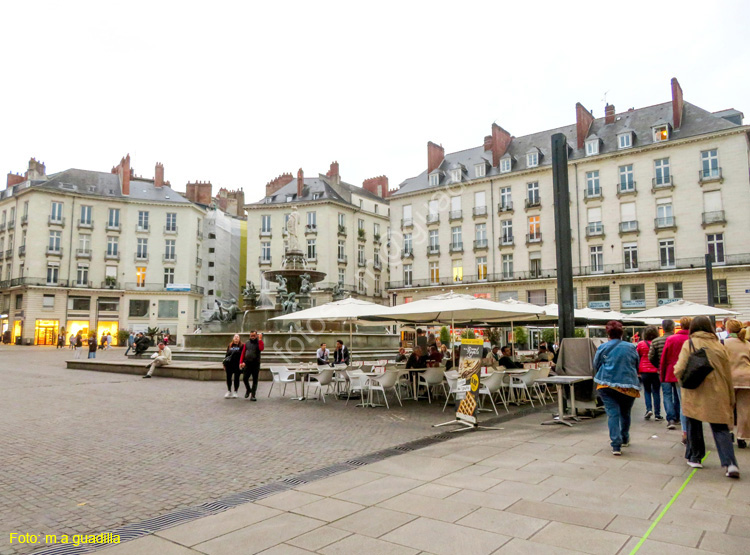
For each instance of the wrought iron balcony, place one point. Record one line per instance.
(408, 222)
(22, 250)
(113, 227)
(533, 203)
(629, 227)
(506, 241)
(264, 261)
(480, 244)
(716, 217)
(658, 183)
(532, 238)
(52, 251)
(55, 221)
(709, 175)
(170, 230)
(433, 250)
(407, 253)
(169, 258)
(668, 222)
(111, 255)
(342, 259)
(454, 215)
(456, 247)
(592, 194)
(479, 211)
(142, 228)
(142, 257)
(24, 219)
(83, 253)
(85, 224)
(627, 188)
(595, 230)
(432, 219)
(505, 207)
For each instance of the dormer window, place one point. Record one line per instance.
(480, 170)
(506, 164)
(625, 140)
(532, 159)
(592, 146)
(434, 179)
(661, 132)
(289, 198)
(316, 196)
(456, 175)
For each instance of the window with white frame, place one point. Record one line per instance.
(342, 276)
(630, 256)
(169, 249)
(406, 214)
(376, 231)
(434, 179)
(506, 236)
(432, 211)
(666, 253)
(537, 297)
(592, 147)
(456, 207)
(505, 198)
(668, 292)
(480, 199)
(84, 243)
(434, 273)
(361, 255)
(143, 220)
(596, 258)
(85, 214)
(480, 234)
(710, 163)
(532, 159)
(360, 224)
(377, 284)
(458, 271)
(361, 283)
(341, 252)
(456, 240)
(633, 296)
(141, 252)
(598, 296)
(265, 224)
(265, 251)
(56, 213)
(376, 258)
(713, 209)
(53, 273)
(312, 220)
(480, 170)
(532, 193)
(342, 220)
(433, 240)
(661, 172)
(456, 175)
(481, 268)
(407, 275)
(664, 215)
(312, 252)
(625, 140)
(407, 243)
(168, 276)
(721, 293)
(715, 247)
(594, 221)
(627, 183)
(535, 264)
(82, 274)
(505, 164)
(535, 228)
(593, 188)
(661, 133)
(113, 218)
(628, 221)
(172, 221)
(55, 237)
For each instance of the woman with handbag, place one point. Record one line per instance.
(739, 363)
(707, 394)
(232, 366)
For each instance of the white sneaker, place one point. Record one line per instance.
(733, 471)
(228, 395)
(692, 464)
(234, 395)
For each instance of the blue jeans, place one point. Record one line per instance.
(696, 448)
(618, 406)
(92, 355)
(683, 418)
(671, 400)
(651, 390)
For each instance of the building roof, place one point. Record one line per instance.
(695, 121)
(322, 186)
(105, 184)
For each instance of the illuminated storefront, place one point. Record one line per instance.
(17, 330)
(105, 327)
(74, 326)
(46, 332)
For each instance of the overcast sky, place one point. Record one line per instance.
(237, 93)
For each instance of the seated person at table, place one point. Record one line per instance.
(496, 353)
(444, 350)
(543, 355)
(435, 355)
(341, 354)
(506, 361)
(401, 356)
(454, 360)
(323, 355)
(487, 359)
(416, 360)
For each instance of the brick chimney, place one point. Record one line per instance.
(609, 113)
(584, 119)
(37, 170)
(199, 192)
(125, 173)
(159, 175)
(278, 182)
(435, 156)
(488, 143)
(300, 182)
(15, 179)
(377, 186)
(676, 103)
(500, 142)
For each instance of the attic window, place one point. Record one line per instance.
(456, 175)
(532, 159)
(434, 179)
(625, 140)
(505, 164)
(289, 198)
(592, 147)
(480, 170)
(661, 133)
(316, 196)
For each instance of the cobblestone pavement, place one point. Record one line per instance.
(84, 452)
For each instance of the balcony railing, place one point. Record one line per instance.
(113, 226)
(456, 247)
(9, 253)
(432, 219)
(479, 211)
(2, 226)
(662, 183)
(342, 259)
(627, 188)
(169, 258)
(377, 265)
(713, 174)
(716, 217)
(480, 244)
(311, 228)
(533, 203)
(594, 229)
(433, 249)
(22, 250)
(361, 234)
(505, 207)
(52, 251)
(170, 230)
(408, 222)
(199, 236)
(24, 219)
(143, 257)
(629, 227)
(142, 228)
(83, 253)
(85, 224)
(454, 215)
(533, 238)
(55, 221)
(11, 224)
(264, 261)
(110, 285)
(111, 255)
(342, 230)
(592, 194)
(80, 284)
(361, 262)
(668, 222)
(506, 240)
(132, 286)
(407, 253)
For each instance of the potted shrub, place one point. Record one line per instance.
(110, 281)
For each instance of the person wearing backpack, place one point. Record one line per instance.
(712, 401)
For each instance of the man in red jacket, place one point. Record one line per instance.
(671, 389)
(250, 363)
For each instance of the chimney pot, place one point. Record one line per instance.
(500, 141)
(300, 182)
(677, 104)
(435, 156)
(159, 175)
(609, 113)
(584, 119)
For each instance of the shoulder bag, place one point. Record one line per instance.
(696, 369)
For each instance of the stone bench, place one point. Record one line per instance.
(203, 371)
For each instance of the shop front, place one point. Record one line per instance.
(17, 332)
(4, 328)
(75, 326)
(45, 332)
(104, 327)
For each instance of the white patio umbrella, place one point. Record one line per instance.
(681, 308)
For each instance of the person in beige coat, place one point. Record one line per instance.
(712, 401)
(739, 362)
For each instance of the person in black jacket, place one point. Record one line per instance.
(141, 343)
(232, 366)
(506, 361)
(250, 363)
(341, 354)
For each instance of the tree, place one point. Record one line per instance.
(122, 337)
(468, 334)
(548, 335)
(493, 336)
(445, 336)
(520, 336)
(579, 332)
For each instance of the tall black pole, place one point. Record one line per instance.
(563, 244)
(710, 283)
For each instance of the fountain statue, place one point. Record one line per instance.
(250, 296)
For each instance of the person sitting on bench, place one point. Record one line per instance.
(141, 344)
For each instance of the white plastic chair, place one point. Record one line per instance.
(282, 375)
(357, 382)
(451, 376)
(526, 382)
(543, 387)
(491, 385)
(384, 382)
(432, 377)
(324, 378)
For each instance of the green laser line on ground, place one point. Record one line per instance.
(666, 508)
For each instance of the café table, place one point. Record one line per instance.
(303, 369)
(560, 381)
(369, 402)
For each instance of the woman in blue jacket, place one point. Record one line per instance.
(616, 364)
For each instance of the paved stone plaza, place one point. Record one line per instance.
(86, 452)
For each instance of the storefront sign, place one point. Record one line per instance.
(469, 365)
(598, 304)
(662, 302)
(634, 303)
(178, 287)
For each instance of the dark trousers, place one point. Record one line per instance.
(618, 407)
(652, 391)
(251, 369)
(696, 447)
(233, 375)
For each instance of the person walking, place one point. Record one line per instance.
(103, 344)
(79, 344)
(60, 341)
(131, 343)
(92, 346)
(109, 340)
(669, 356)
(649, 375)
(250, 363)
(712, 401)
(654, 356)
(232, 366)
(738, 349)
(163, 358)
(616, 364)
(72, 341)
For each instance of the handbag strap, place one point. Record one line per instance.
(692, 347)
